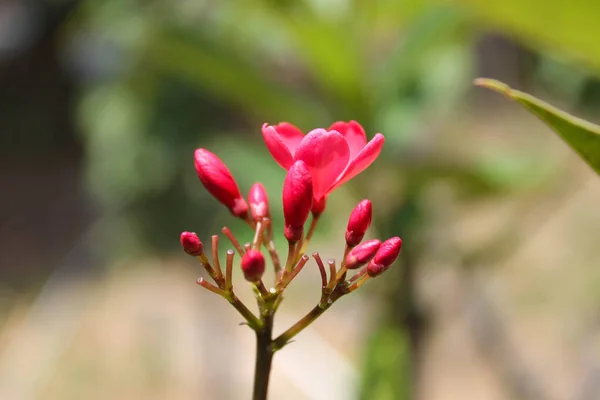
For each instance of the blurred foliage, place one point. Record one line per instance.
(581, 135)
(387, 348)
(569, 28)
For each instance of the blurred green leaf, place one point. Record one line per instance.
(571, 28)
(386, 375)
(581, 135)
(224, 74)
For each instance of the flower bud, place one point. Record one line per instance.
(361, 254)
(358, 223)
(191, 244)
(217, 179)
(259, 202)
(297, 200)
(385, 257)
(253, 265)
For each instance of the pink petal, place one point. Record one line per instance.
(291, 135)
(219, 182)
(354, 134)
(326, 155)
(277, 147)
(367, 155)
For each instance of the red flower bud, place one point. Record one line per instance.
(191, 244)
(358, 223)
(361, 254)
(259, 202)
(253, 265)
(385, 257)
(217, 179)
(297, 200)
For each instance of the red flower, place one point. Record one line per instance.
(362, 254)
(191, 244)
(253, 265)
(333, 156)
(386, 255)
(259, 202)
(217, 179)
(297, 200)
(359, 222)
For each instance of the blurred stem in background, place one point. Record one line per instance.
(392, 356)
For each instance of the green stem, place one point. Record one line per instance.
(295, 329)
(253, 322)
(264, 358)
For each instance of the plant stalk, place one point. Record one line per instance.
(264, 358)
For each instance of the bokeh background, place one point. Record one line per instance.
(496, 296)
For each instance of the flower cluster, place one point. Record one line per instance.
(316, 164)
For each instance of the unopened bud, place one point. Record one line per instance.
(259, 202)
(253, 265)
(358, 223)
(385, 257)
(191, 244)
(297, 200)
(217, 179)
(362, 254)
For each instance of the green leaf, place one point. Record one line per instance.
(581, 135)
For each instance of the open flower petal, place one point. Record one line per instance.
(326, 155)
(277, 147)
(367, 155)
(354, 134)
(290, 135)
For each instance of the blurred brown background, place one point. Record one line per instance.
(103, 103)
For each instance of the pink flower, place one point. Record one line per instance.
(217, 179)
(333, 156)
(362, 254)
(386, 255)
(259, 202)
(191, 244)
(253, 265)
(297, 200)
(359, 222)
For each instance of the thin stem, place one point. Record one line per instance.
(358, 275)
(317, 258)
(263, 290)
(258, 235)
(229, 269)
(286, 281)
(207, 285)
(247, 247)
(343, 268)
(264, 359)
(332, 277)
(274, 257)
(290, 257)
(233, 240)
(253, 321)
(311, 229)
(359, 282)
(268, 241)
(215, 255)
(206, 264)
(309, 234)
(295, 329)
